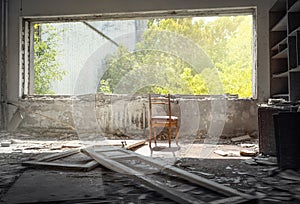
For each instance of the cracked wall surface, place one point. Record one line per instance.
(97, 115)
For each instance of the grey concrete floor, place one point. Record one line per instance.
(254, 176)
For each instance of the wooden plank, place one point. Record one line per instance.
(166, 191)
(47, 162)
(109, 163)
(125, 157)
(159, 102)
(110, 148)
(58, 155)
(234, 195)
(114, 154)
(135, 145)
(85, 167)
(206, 183)
(90, 165)
(120, 168)
(214, 186)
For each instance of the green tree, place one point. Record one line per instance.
(164, 72)
(46, 67)
(226, 40)
(236, 70)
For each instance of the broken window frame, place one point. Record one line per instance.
(26, 88)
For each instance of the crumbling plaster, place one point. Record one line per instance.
(241, 115)
(93, 116)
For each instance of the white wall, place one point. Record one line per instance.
(31, 8)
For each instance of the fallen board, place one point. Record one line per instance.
(114, 159)
(136, 145)
(49, 161)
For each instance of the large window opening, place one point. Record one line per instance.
(179, 55)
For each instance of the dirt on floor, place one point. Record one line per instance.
(259, 176)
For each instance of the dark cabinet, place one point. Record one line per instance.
(287, 136)
(267, 142)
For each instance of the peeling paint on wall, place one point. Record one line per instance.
(107, 115)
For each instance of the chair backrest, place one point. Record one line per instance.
(160, 100)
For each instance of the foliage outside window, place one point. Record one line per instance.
(225, 41)
(46, 67)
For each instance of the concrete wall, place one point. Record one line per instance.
(92, 116)
(62, 108)
(3, 61)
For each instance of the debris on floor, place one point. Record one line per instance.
(227, 153)
(248, 145)
(266, 181)
(135, 145)
(203, 174)
(248, 153)
(5, 144)
(51, 161)
(171, 182)
(241, 138)
(266, 160)
(34, 146)
(258, 176)
(221, 152)
(290, 175)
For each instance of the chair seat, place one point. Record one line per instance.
(164, 117)
(166, 121)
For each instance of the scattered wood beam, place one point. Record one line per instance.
(58, 155)
(109, 156)
(47, 162)
(136, 145)
(78, 167)
(120, 168)
(214, 186)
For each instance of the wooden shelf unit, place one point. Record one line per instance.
(285, 50)
(282, 74)
(294, 6)
(281, 24)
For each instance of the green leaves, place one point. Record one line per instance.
(46, 68)
(176, 55)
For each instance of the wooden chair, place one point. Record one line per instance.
(167, 120)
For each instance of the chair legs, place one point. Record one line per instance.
(170, 136)
(155, 136)
(176, 136)
(170, 133)
(150, 136)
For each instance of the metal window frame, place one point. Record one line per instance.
(27, 22)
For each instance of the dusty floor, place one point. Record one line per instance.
(257, 176)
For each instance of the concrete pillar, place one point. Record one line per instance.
(3, 61)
